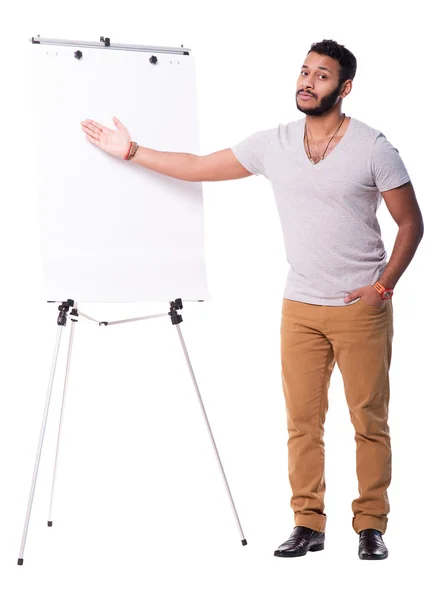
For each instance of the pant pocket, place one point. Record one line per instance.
(373, 308)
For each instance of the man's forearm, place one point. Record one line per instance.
(181, 165)
(407, 241)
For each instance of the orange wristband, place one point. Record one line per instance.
(384, 292)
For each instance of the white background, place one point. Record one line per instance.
(140, 510)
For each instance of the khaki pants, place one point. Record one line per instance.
(359, 338)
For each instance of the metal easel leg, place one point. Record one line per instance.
(61, 322)
(74, 313)
(176, 319)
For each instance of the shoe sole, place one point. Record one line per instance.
(373, 557)
(315, 548)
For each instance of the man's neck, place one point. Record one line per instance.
(322, 127)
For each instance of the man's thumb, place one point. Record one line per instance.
(118, 123)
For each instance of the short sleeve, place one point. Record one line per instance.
(388, 169)
(250, 152)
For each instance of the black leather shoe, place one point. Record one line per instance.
(300, 541)
(371, 545)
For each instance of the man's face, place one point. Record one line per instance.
(319, 79)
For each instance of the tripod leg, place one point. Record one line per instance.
(243, 540)
(40, 443)
(66, 378)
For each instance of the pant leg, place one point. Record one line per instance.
(362, 339)
(307, 364)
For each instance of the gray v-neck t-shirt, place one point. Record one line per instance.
(327, 210)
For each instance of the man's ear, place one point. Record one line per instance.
(346, 88)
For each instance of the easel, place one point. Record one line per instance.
(74, 314)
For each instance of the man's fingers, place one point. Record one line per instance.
(91, 132)
(93, 128)
(98, 126)
(92, 140)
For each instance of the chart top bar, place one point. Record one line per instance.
(105, 44)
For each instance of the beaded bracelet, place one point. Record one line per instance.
(132, 151)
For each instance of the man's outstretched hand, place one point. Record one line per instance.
(113, 142)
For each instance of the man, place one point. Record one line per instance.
(328, 173)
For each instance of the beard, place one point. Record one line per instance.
(325, 105)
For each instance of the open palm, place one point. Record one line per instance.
(114, 142)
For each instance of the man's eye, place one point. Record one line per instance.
(321, 74)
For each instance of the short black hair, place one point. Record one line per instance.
(347, 61)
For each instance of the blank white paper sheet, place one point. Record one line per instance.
(112, 231)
